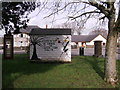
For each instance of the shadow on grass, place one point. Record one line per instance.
(13, 69)
(94, 62)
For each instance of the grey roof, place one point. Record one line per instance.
(51, 31)
(83, 38)
(28, 29)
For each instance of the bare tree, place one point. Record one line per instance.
(76, 27)
(101, 31)
(107, 9)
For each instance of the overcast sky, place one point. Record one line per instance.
(37, 18)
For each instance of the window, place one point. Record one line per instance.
(104, 44)
(21, 35)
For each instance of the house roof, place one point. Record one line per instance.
(51, 31)
(28, 28)
(83, 38)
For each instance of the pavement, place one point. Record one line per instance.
(90, 52)
(75, 52)
(17, 52)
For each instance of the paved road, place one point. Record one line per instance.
(87, 52)
(18, 52)
(90, 52)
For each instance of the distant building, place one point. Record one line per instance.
(22, 40)
(87, 40)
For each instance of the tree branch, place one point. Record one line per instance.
(102, 18)
(103, 10)
(60, 9)
(84, 14)
(39, 44)
(40, 9)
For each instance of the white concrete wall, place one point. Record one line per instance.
(50, 48)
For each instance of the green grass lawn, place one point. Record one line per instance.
(82, 72)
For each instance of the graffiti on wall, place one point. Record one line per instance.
(65, 44)
(49, 44)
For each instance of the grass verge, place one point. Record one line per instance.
(82, 72)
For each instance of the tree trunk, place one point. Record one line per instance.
(111, 46)
(34, 56)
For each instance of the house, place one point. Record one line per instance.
(50, 45)
(87, 40)
(22, 40)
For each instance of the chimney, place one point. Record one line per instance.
(46, 26)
